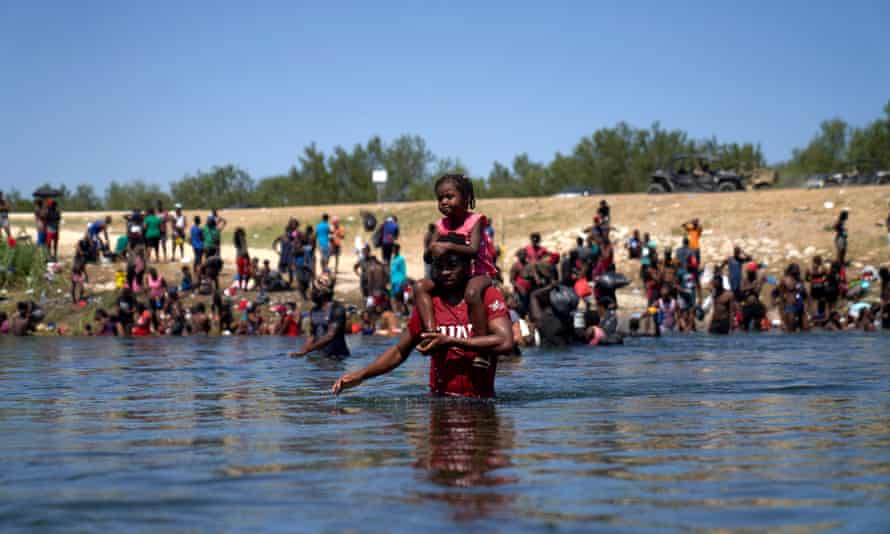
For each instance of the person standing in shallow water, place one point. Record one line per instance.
(463, 232)
(452, 347)
(724, 308)
(328, 319)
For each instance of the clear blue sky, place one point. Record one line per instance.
(95, 91)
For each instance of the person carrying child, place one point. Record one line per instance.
(463, 232)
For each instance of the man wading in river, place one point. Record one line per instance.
(453, 347)
(328, 319)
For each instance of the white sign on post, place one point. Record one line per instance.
(378, 176)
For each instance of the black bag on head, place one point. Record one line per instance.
(563, 300)
(612, 281)
(369, 221)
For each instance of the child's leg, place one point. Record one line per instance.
(475, 307)
(476, 310)
(423, 296)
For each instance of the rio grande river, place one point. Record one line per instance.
(684, 434)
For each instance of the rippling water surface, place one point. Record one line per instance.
(694, 434)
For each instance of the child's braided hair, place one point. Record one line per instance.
(463, 184)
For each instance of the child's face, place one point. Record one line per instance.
(450, 199)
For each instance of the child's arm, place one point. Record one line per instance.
(472, 249)
(498, 341)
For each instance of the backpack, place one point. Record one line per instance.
(369, 221)
(563, 300)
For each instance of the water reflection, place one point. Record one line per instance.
(465, 445)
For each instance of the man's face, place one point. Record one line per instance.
(450, 270)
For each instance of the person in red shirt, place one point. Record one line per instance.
(287, 324)
(453, 346)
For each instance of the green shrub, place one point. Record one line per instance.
(22, 266)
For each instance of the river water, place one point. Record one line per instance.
(683, 434)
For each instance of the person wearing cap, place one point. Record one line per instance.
(452, 347)
(328, 321)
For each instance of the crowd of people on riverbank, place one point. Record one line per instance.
(554, 298)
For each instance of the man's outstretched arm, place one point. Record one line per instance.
(386, 362)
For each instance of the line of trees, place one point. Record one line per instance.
(614, 160)
(838, 147)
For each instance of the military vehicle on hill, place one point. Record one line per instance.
(693, 174)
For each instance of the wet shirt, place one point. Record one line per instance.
(321, 318)
(452, 371)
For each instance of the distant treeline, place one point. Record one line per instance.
(612, 160)
(838, 147)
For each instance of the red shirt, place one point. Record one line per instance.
(291, 328)
(452, 372)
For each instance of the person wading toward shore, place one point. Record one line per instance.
(328, 319)
(463, 232)
(452, 346)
